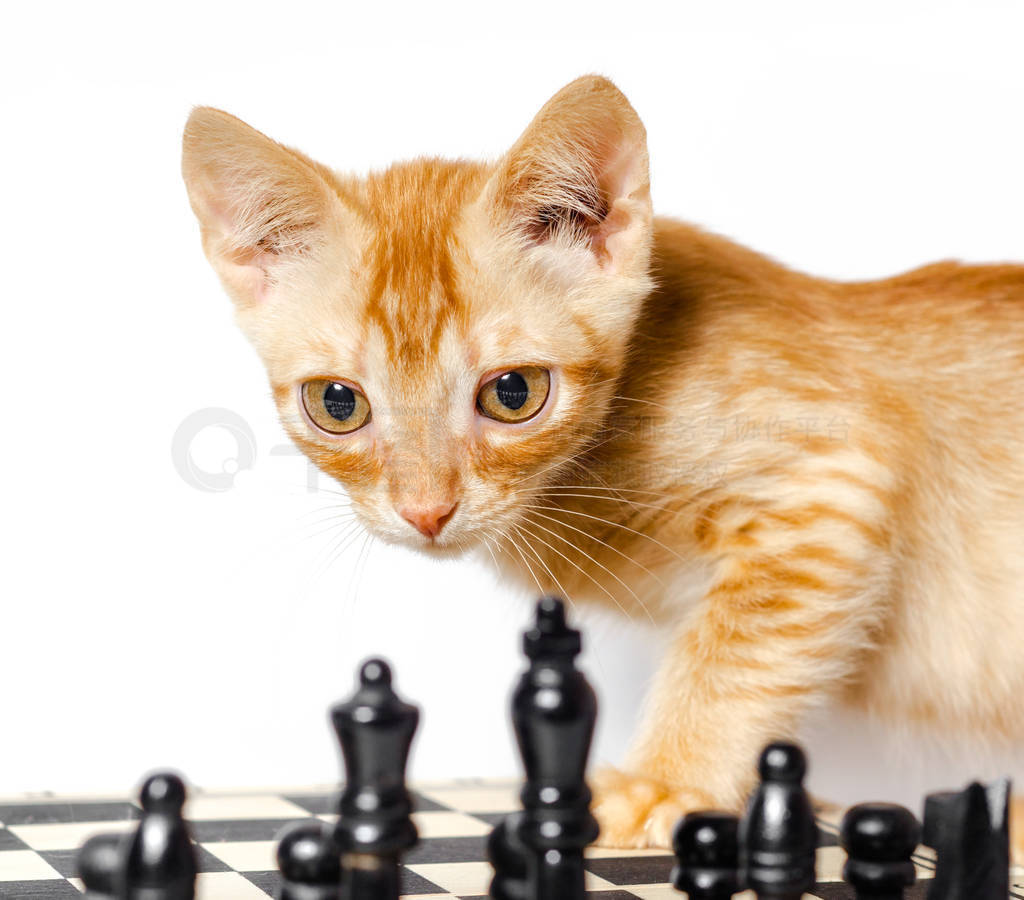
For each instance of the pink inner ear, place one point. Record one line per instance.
(221, 217)
(258, 279)
(623, 181)
(247, 281)
(592, 191)
(623, 171)
(609, 239)
(246, 267)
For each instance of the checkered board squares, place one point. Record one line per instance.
(236, 841)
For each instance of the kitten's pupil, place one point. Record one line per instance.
(512, 390)
(339, 401)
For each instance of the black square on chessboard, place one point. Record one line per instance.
(53, 813)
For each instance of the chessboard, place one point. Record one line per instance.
(235, 835)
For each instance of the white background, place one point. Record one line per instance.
(146, 622)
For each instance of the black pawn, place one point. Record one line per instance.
(375, 729)
(309, 861)
(707, 856)
(778, 836)
(969, 831)
(101, 866)
(879, 840)
(553, 713)
(507, 856)
(161, 863)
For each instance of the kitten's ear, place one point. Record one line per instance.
(579, 176)
(260, 205)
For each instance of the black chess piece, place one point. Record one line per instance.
(707, 856)
(310, 862)
(160, 861)
(553, 713)
(879, 840)
(969, 831)
(101, 866)
(375, 728)
(777, 836)
(507, 856)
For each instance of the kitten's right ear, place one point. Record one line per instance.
(260, 205)
(578, 177)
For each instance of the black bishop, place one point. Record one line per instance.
(375, 729)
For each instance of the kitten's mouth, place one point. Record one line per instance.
(438, 547)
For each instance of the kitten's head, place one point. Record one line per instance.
(441, 337)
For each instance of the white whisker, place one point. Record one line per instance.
(487, 544)
(625, 556)
(598, 487)
(553, 533)
(561, 590)
(351, 532)
(526, 562)
(576, 565)
(561, 462)
(573, 512)
(635, 503)
(638, 400)
(346, 526)
(360, 566)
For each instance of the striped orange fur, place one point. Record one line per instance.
(816, 487)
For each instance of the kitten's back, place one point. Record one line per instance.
(924, 372)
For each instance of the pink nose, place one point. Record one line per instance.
(428, 520)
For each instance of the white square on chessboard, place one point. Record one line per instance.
(204, 808)
(245, 856)
(476, 798)
(828, 863)
(474, 878)
(449, 824)
(63, 835)
(217, 886)
(24, 865)
(654, 891)
(612, 853)
(220, 886)
(226, 886)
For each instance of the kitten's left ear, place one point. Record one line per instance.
(578, 176)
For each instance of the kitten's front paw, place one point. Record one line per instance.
(636, 811)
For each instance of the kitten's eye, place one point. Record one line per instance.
(335, 407)
(516, 395)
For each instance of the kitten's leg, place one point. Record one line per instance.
(779, 633)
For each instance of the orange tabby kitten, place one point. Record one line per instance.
(817, 487)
